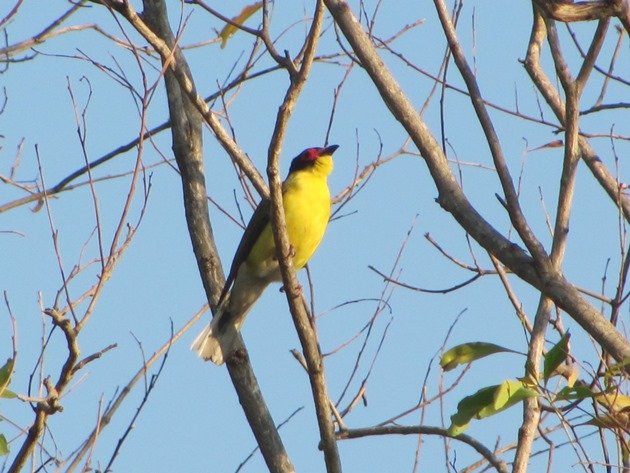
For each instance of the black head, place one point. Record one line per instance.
(309, 156)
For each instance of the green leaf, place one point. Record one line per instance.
(556, 356)
(487, 402)
(5, 374)
(510, 392)
(467, 352)
(229, 29)
(4, 446)
(574, 393)
(469, 407)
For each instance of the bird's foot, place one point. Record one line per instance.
(298, 289)
(291, 253)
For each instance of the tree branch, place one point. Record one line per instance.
(573, 91)
(188, 87)
(532, 65)
(188, 149)
(514, 209)
(569, 12)
(495, 461)
(303, 324)
(453, 200)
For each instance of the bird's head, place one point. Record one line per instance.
(314, 158)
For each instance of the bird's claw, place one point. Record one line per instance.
(291, 251)
(298, 289)
(290, 254)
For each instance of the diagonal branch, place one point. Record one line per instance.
(169, 61)
(65, 183)
(187, 146)
(453, 200)
(303, 324)
(514, 209)
(572, 89)
(532, 65)
(50, 31)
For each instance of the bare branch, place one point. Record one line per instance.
(584, 11)
(514, 209)
(169, 60)
(496, 462)
(452, 199)
(305, 329)
(187, 147)
(50, 31)
(107, 415)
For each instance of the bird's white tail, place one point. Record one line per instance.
(216, 341)
(215, 344)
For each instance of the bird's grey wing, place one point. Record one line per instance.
(257, 223)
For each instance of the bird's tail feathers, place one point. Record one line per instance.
(215, 343)
(216, 340)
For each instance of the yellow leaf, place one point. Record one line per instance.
(573, 375)
(614, 401)
(610, 421)
(241, 18)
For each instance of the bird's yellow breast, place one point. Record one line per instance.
(306, 201)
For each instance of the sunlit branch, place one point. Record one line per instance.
(306, 331)
(496, 462)
(184, 107)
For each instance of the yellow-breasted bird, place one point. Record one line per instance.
(306, 201)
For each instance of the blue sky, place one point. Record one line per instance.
(193, 421)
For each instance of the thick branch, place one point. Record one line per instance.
(514, 209)
(187, 147)
(306, 332)
(532, 65)
(576, 11)
(452, 198)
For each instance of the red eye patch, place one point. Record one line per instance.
(311, 154)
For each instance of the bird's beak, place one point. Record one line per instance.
(329, 150)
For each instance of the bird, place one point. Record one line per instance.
(307, 204)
